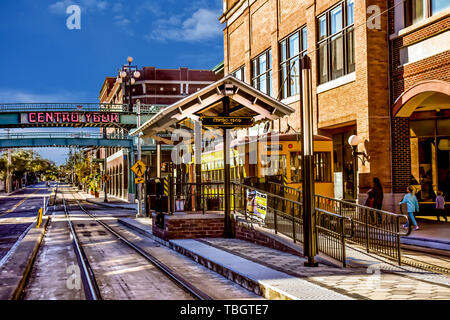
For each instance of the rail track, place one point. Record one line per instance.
(410, 258)
(91, 287)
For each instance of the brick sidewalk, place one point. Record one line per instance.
(377, 280)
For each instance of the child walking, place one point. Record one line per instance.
(440, 203)
(412, 205)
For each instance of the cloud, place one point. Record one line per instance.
(60, 7)
(202, 25)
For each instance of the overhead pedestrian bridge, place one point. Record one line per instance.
(24, 115)
(62, 139)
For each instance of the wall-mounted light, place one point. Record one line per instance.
(353, 141)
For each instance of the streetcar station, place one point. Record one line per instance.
(312, 162)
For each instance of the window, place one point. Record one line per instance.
(262, 72)
(336, 42)
(322, 167)
(417, 10)
(291, 49)
(239, 73)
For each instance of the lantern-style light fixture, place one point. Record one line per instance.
(354, 141)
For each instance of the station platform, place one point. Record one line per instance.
(113, 202)
(275, 274)
(431, 234)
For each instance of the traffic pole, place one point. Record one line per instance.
(139, 157)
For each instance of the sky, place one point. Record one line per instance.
(44, 61)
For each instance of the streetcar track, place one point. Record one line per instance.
(180, 281)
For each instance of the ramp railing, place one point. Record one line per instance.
(285, 216)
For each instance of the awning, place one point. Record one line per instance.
(244, 101)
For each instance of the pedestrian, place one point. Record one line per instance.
(370, 200)
(377, 197)
(412, 205)
(440, 207)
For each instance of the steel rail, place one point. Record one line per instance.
(179, 280)
(92, 291)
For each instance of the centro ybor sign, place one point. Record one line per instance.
(69, 117)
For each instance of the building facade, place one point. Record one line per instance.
(353, 74)
(264, 40)
(420, 97)
(155, 86)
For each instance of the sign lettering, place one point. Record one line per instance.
(69, 117)
(233, 122)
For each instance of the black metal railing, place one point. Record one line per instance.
(285, 215)
(377, 231)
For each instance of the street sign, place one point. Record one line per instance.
(230, 122)
(139, 180)
(106, 178)
(138, 168)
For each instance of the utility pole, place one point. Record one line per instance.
(309, 216)
(139, 157)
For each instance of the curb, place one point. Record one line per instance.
(19, 266)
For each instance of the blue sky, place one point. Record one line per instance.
(44, 61)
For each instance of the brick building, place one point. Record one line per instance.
(351, 80)
(263, 42)
(156, 87)
(420, 96)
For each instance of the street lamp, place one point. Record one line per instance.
(353, 141)
(128, 75)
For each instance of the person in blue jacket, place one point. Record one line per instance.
(412, 205)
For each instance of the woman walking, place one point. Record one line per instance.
(412, 205)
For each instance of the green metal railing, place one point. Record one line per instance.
(77, 107)
(55, 135)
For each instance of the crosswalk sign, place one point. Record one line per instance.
(138, 168)
(106, 178)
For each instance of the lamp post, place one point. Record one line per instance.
(128, 75)
(310, 248)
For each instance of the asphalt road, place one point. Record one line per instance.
(17, 212)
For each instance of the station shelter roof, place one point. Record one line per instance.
(244, 101)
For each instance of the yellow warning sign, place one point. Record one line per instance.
(106, 178)
(138, 168)
(139, 180)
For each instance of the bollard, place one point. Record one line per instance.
(44, 206)
(39, 218)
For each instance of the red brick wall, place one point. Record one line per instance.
(190, 228)
(436, 67)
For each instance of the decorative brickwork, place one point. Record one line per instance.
(401, 154)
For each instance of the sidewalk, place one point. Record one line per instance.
(432, 234)
(278, 275)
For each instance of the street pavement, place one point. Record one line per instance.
(17, 212)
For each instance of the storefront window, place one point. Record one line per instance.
(430, 157)
(344, 174)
